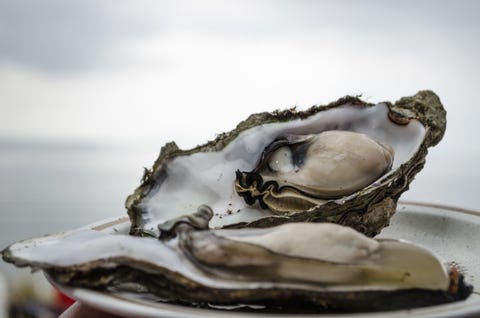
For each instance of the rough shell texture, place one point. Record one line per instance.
(368, 211)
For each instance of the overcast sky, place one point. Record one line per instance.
(153, 71)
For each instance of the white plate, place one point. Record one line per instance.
(452, 233)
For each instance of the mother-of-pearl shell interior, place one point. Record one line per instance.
(208, 177)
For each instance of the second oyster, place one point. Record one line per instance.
(328, 267)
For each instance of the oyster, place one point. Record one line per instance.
(260, 174)
(329, 267)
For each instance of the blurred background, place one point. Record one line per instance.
(90, 91)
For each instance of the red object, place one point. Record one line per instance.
(62, 300)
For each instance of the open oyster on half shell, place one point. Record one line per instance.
(327, 268)
(347, 163)
(299, 178)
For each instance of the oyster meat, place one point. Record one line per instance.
(296, 173)
(328, 267)
(347, 163)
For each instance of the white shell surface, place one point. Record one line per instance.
(208, 178)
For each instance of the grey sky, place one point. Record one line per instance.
(149, 70)
(65, 36)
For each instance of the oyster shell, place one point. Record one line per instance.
(329, 266)
(182, 180)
